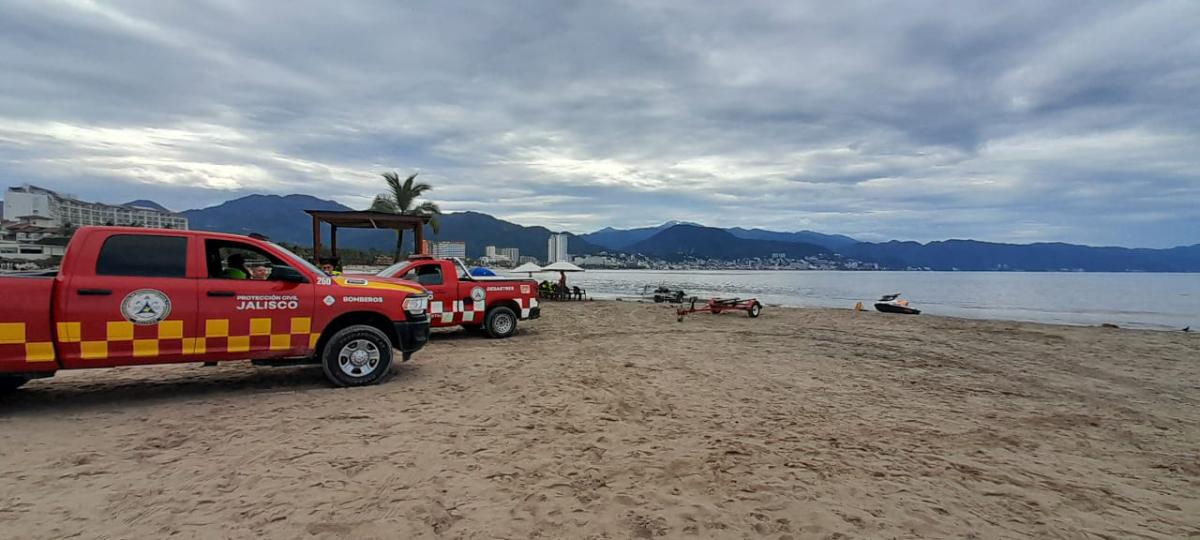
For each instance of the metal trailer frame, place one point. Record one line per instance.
(715, 306)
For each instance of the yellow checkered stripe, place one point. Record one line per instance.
(215, 332)
(14, 333)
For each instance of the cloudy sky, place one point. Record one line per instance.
(1005, 121)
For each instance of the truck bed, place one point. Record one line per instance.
(495, 278)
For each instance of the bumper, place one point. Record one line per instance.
(535, 312)
(411, 336)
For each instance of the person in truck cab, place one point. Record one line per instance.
(235, 267)
(260, 270)
(425, 275)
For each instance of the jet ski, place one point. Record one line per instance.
(891, 303)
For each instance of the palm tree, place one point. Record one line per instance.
(400, 198)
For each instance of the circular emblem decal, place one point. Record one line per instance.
(478, 294)
(146, 306)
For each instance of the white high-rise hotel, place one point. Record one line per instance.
(61, 210)
(557, 248)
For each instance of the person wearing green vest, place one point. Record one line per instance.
(235, 267)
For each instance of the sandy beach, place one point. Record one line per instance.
(612, 420)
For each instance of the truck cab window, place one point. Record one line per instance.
(429, 274)
(235, 260)
(143, 255)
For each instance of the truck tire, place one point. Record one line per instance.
(8, 384)
(357, 356)
(501, 322)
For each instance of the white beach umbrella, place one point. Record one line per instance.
(561, 266)
(527, 268)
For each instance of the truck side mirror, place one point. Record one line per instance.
(280, 272)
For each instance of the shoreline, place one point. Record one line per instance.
(870, 309)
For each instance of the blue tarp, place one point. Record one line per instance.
(481, 271)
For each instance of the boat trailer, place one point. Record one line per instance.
(751, 306)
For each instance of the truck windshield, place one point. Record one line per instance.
(298, 260)
(393, 270)
(396, 270)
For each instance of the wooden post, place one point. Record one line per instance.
(333, 240)
(316, 241)
(419, 238)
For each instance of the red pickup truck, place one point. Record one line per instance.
(126, 296)
(490, 304)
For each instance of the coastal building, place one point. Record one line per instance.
(557, 248)
(63, 210)
(448, 249)
(527, 259)
(21, 231)
(502, 253)
(597, 261)
(11, 249)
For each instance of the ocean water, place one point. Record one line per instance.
(1135, 300)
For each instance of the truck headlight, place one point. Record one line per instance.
(416, 305)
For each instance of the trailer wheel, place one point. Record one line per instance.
(755, 310)
(8, 384)
(357, 355)
(501, 322)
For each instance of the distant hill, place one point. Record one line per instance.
(620, 239)
(143, 203)
(835, 242)
(617, 239)
(977, 256)
(680, 241)
(282, 218)
(481, 230)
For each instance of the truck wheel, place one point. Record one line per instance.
(501, 322)
(8, 384)
(755, 310)
(357, 356)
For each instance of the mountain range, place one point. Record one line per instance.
(623, 239)
(283, 219)
(685, 240)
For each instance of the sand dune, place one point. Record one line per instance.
(611, 420)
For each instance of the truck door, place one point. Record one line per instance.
(247, 312)
(136, 306)
(430, 275)
(452, 297)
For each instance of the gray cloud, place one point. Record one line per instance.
(1020, 121)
